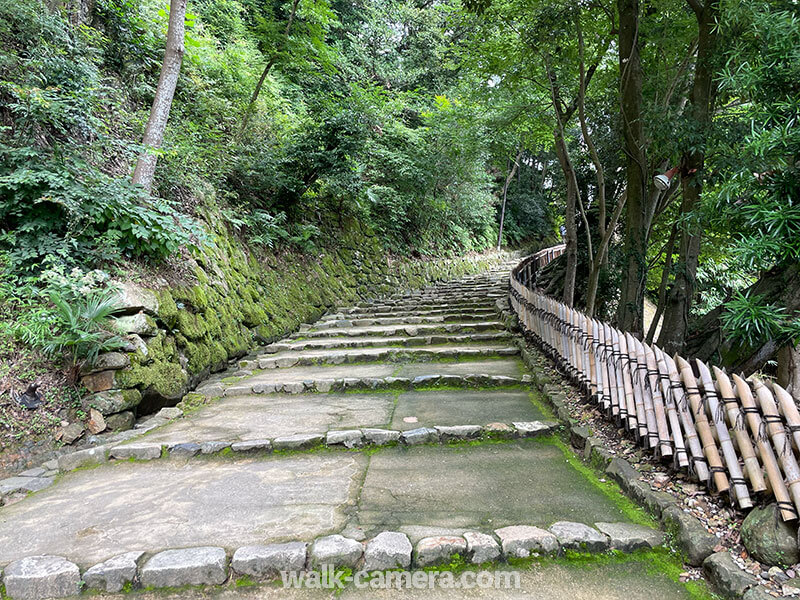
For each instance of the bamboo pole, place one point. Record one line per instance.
(665, 443)
(699, 462)
(789, 410)
(718, 418)
(780, 441)
(615, 365)
(627, 382)
(758, 431)
(702, 425)
(736, 421)
(643, 384)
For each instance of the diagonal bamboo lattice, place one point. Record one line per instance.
(742, 437)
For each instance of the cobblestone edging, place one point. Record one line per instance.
(39, 577)
(699, 547)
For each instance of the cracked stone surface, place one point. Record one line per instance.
(461, 407)
(479, 487)
(93, 515)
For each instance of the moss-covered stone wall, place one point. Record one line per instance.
(179, 334)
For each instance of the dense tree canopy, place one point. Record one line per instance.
(425, 120)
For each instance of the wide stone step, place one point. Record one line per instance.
(413, 308)
(283, 360)
(255, 417)
(367, 341)
(93, 515)
(442, 314)
(398, 320)
(403, 330)
(379, 376)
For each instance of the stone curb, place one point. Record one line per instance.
(361, 383)
(40, 577)
(346, 438)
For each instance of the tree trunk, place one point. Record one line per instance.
(159, 113)
(681, 293)
(662, 288)
(630, 312)
(505, 194)
(571, 250)
(789, 370)
(709, 342)
(272, 60)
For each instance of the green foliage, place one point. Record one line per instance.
(82, 327)
(750, 319)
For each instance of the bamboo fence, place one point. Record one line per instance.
(740, 436)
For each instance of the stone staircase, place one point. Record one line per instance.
(396, 433)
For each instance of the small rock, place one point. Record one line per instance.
(121, 421)
(350, 438)
(499, 430)
(439, 549)
(83, 458)
(726, 576)
(35, 472)
(112, 401)
(628, 537)
(777, 574)
(96, 422)
(387, 550)
(693, 538)
(139, 324)
(99, 382)
(186, 450)
(335, 550)
(459, 432)
(213, 447)
(381, 436)
(422, 435)
(39, 577)
(24, 484)
(577, 536)
(768, 538)
(70, 433)
(265, 561)
(324, 385)
(532, 428)
(205, 565)
(518, 541)
(113, 574)
(168, 413)
(297, 442)
(141, 451)
(481, 548)
(252, 446)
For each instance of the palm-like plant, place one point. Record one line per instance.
(82, 327)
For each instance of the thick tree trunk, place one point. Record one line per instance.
(681, 293)
(159, 113)
(789, 369)
(630, 312)
(710, 343)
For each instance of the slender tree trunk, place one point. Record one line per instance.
(272, 60)
(681, 293)
(630, 312)
(600, 258)
(505, 195)
(662, 288)
(159, 114)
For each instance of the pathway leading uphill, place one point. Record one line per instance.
(408, 429)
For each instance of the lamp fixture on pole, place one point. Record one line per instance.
(662, 180)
